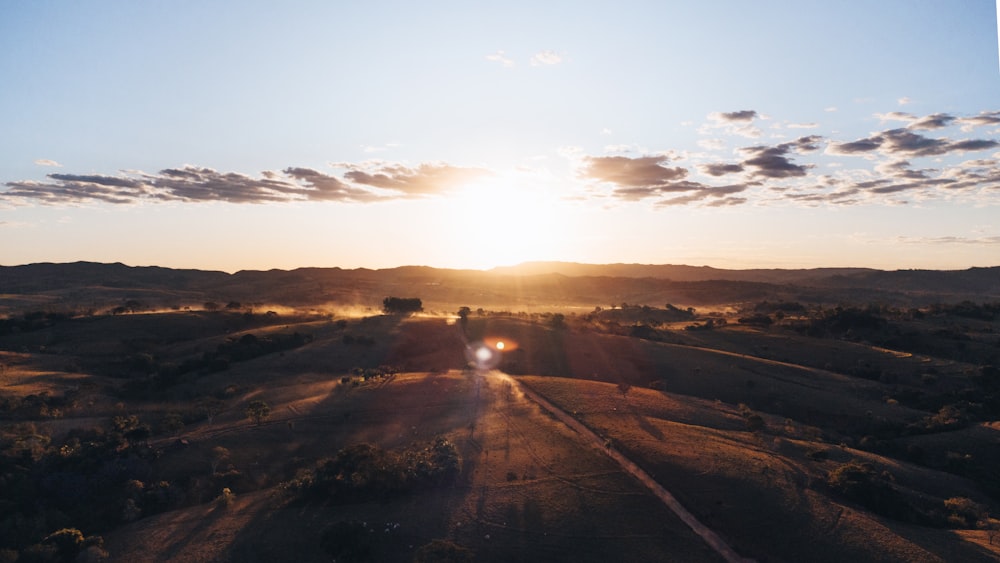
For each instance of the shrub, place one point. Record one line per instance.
(963, 512)
(860, 483)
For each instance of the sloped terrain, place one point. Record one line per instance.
(820, 435)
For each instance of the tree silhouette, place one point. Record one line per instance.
(402, 305)
(257, 411)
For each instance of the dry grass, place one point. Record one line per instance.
(761, 492)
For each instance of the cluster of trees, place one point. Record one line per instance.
(34, 320)
(364, 472)
(876, 490)
(968, 309)
(165, 375)
(57, 498)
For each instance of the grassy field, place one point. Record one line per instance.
(142, 416)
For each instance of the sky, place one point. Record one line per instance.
(259, 135)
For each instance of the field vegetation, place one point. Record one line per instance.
(419, 430)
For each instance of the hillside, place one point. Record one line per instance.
(531, 287)
(863, 434)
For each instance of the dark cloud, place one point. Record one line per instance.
(199, 184)
(328, 188)
(901, 169)
(430, 178)
(774, 162)
(907, 143)
(646, 177)
(855, 147)
(742, 115)
(716, 196)
(67, 191)
(933, 121)
(193, 184)
(114, 181)
(720, 169)
(984, 118)
(645, 172)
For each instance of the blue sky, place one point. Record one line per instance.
(252, 135)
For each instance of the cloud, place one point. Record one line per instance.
(830, 109)
(47, 162)
(546, 58)
(644, 171)
(325, 187)
(720, 169)
(896, 116)
(744, 116)
(983, 119)
(711, 196)
(949, 240)
(733, 123)
(70, 189)
(428, 178)
(810, 125)
(904, 101)
(500, 57)
(933, 121)
(774, 162)
(640, 178)
(907, 143)
(362, 183)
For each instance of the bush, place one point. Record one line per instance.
(963, 512)
(365, 471)
(860, 483)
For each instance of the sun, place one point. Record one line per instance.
(498, 223)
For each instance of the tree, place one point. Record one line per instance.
(219, 456)
(463, 316)
(257, 411)
(67, 541)
(558, 321)
(402, 305)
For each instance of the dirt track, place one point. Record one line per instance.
(710, 537)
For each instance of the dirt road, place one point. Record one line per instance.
(709, 536)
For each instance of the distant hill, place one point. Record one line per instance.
(530, 286)
(676, 272)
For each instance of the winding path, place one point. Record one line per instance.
(710, 537)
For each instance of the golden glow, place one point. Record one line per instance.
(500, 222)
(500, 345)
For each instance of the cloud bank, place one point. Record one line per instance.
(935, 156)
(887, 172)
(362, 183)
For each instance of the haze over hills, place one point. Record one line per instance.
(534, 284)
(676, 272)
